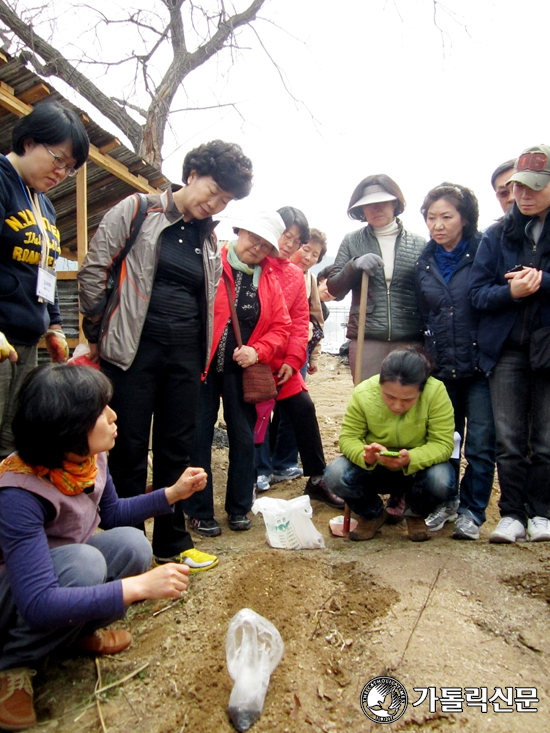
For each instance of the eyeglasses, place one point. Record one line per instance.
(259, 242)
(60, 163)
(291, 239)
(503, 193)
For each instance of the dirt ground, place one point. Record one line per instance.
(436, 614)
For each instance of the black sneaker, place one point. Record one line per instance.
(239, 522)
(206, 527)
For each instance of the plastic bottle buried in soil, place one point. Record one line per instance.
(253, 649)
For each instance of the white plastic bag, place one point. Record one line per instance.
(288, 523)
(253, 649)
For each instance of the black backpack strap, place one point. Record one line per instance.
(135, 226)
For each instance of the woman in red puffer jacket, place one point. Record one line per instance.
(296, 408)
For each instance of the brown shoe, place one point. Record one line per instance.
(106, 641)
(321, 492)
(16, 708)
(417, 530)
(367, 528)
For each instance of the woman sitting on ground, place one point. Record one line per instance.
(397, 436)
(61, 582)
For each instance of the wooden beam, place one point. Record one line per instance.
(3, 59)
(81, 214)
(67, 274)
(12, 103)
(6, 87)
(112, 166)
(114, 143)
(81, 229)
(35, 93)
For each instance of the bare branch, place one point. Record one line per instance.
(57, 65)
(125, 103)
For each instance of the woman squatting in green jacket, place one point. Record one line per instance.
(397, 437)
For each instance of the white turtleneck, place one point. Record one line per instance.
(387, 237)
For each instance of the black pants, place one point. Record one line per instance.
(240, 419)
(301, 412)
(163, 381)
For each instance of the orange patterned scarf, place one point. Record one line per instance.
(71, 479)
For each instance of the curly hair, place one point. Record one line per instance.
(320, 238)
(225, 163)
(462, 198)
(380, 179)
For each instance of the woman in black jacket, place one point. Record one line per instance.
(510, 285)
(450, 336)
(387, 253)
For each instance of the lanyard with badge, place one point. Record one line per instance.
(46, 281)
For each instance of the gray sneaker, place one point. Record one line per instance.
(465, 528)
(443, 513)
(287, 474)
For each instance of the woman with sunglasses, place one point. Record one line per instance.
(48, 145)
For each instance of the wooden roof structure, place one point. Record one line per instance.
(111, 173)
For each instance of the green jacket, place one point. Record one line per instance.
(426, 430)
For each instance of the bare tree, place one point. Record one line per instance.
(193, 32)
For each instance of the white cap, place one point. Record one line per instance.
(266, 224)
(374, 194)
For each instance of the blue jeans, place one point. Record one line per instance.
(471, 400)
(107, 556)
(521, 406)
(240, 418)
(360, 489)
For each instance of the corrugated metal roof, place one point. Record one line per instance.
(104, 189)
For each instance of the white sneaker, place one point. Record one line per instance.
(538, 529)
(443, 513)
(508, 530)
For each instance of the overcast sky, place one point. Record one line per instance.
(382, 90)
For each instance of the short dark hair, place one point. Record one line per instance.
(510, 164)
(462, 198)
(225, 162)
(409, 366)
(292, 216)
(51, 124)
(57, 407)
(325, 273)
(379, 179)
(318, 237)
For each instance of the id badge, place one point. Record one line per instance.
(45, 285)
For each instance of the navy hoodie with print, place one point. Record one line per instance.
(23, 319)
